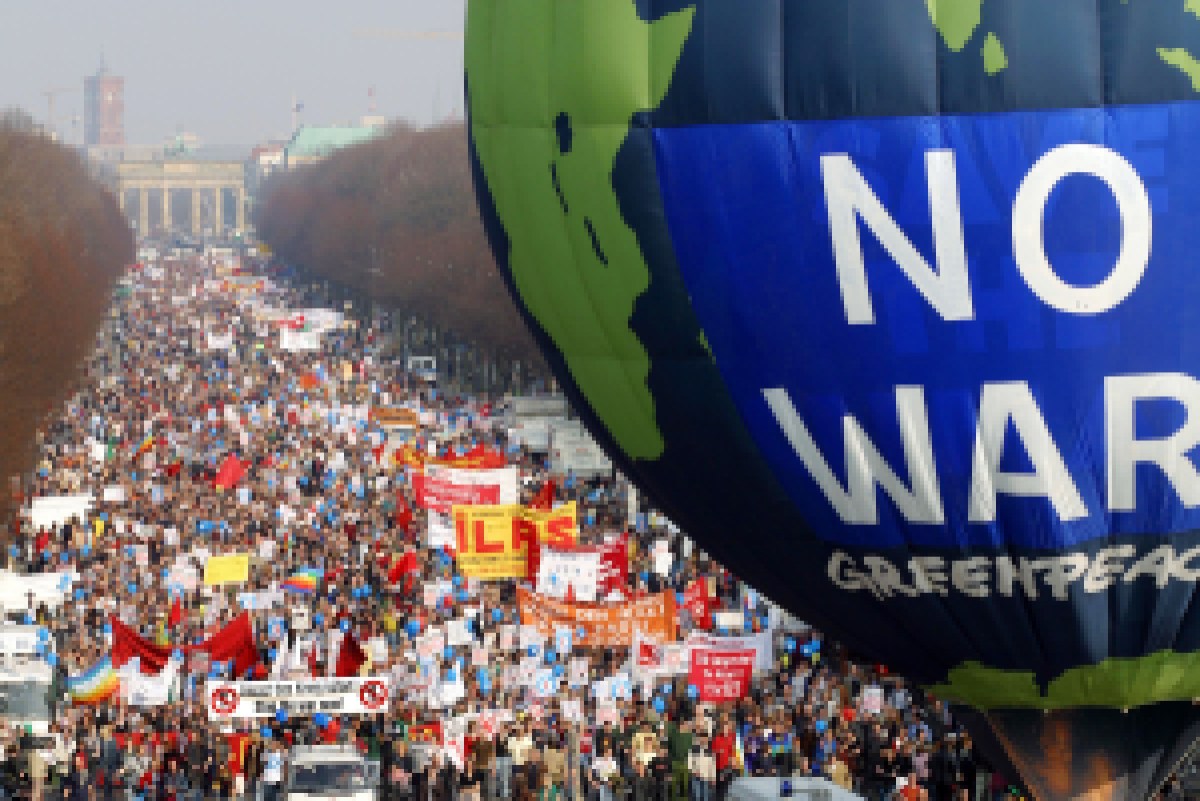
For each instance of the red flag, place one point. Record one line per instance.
(175, 616)
(698, 603)
(404, 566)
(173, 469)
(41, 541)
(313, 670)
(544, 500)
(234, 642)
(404, 515)
(350, 657)
(231, 472)
(127, 644)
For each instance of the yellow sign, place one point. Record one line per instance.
(232, 569)
(495, 542)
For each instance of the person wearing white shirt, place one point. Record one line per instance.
(272, 776)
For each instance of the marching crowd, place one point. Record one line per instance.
(198, 436)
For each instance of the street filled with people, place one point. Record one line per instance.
(254, 529)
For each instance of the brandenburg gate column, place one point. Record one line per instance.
(166, 208)
(219, 210)
(239, 197)
(195, 212)
(143, 211)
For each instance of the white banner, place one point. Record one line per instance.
(218, 341)
(576, 571)
(227, 700)
(18, 590)
(54, 510)
(762, 643)
(506, 478)
(145, 691)
(19, 640)
(299, 341)
(440, 531)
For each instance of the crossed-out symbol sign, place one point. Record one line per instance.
(373, 694)
(224, 700)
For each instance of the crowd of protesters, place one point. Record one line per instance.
(158, 414)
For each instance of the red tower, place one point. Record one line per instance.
(104, 109)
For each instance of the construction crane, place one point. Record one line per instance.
(402, 34)
(51, 94)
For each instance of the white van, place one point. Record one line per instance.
(319, 772)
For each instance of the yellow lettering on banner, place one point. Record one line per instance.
(493, 542)
(231, 569)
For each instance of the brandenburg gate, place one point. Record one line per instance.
(204, 180)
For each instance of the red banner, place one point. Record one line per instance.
(721, 675)
(439, 495)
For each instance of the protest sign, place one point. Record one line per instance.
(584, 573)
(601, 624)
(227, 700)
(440, 488)
(721, 675)
(229, 569)
(495, 542)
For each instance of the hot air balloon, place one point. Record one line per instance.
(63, 242)
(891, 304)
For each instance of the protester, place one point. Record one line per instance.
(251, 516)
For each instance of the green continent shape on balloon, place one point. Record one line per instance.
(955, 20)
(547, 140)
(1119, 683)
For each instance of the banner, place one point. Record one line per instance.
(762, 644)
(141, 690)
(600, 624)
(652, 660)
(721, 675)
(219, 341)
(299, 341)
(395, 417)
(227, 700)
(18, 591)
(586, 573)
(52, 511)
(438, 493)
(231, 569)
(495, 542)
(18, 640)
(439, 532)
(698, 603)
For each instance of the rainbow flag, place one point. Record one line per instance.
(304, 580)
(94, 686)
(146, 445)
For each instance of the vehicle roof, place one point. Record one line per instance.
(326, 753)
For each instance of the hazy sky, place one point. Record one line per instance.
(226, 70)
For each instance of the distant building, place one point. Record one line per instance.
(104, 110)
(311, 144)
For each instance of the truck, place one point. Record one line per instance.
(26, 687)
(319, 772)
(572, 450)
(423, 368)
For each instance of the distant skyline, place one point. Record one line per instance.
(227, 70)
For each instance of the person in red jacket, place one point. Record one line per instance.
(724, 744)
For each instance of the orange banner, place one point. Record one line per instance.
(494, 542)
(395, 417)
(480, 458)
(602, 624)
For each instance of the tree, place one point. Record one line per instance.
(395, 218)
(63, 242)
